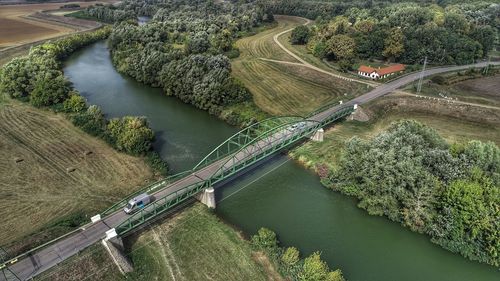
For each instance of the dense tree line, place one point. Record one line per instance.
(37, 78)
(407, 32)
(411, 175)
(289, 262)
(184, 50)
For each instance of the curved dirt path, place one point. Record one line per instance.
(308, 65)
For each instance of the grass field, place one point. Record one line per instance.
(456, 123)
(192, 245)
(481, 91)
(54, 175)
(282, 88)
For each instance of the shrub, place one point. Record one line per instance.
(439, 79)
(300, 35)
(75, 103)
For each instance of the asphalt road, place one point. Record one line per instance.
(54, 254)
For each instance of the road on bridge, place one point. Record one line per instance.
(52, 255)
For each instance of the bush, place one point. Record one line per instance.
(300, 35)
(439, 79)
(156, 163)
(91, 121)
(75, 103)
(51, 88)
(265, 239)
(130, 134)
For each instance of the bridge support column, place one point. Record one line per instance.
(115, 249)
(207, 197)
(318, 135)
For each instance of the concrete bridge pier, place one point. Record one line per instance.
(114, 246)
(207, 197)
(318, 135)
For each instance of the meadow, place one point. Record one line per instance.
(54, 176)
(193, 244)
(278, 83)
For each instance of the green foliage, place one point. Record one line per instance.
(300, 35)
(91, 121)
(265, 239)
(290, 257)
(394, 44)
(409, 174)
(314, 269)
(130, 134)
(289, 263)
(405, 32)
(468, 221)
(50, 87)
(75, 103)
(156, 163)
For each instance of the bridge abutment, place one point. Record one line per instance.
(207, 197)
(115, 249)
(318, 135)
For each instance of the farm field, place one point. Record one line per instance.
(280, 86)
(481, 90)
(191, 245)
(455, 122)
(54, 176)
(17, 28)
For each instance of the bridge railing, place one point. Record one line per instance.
(268, 143)
(241, 138)
(328, 106)
(159, 206)
(151, 188)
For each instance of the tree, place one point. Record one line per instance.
(131, 134)
(486, 36)
(469, 220)
(198, 43)
(265, 239)
(314, 269)
(300, 35)
(75, 103)
(50, 87)
(394, 44)
(335, 276)
(290, 257)
(342, 47)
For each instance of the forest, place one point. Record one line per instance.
(184, 49)
(38, 79)
(410, 174)
(404, 32)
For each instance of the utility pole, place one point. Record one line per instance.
(419, 87)
(487, 68)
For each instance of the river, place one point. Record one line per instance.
(278, 194)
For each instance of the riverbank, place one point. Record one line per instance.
(449, 120)
(193, 244)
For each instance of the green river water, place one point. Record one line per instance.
(279, 193)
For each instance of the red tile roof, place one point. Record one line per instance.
(366, 69)
(391, 69)
(382, 71)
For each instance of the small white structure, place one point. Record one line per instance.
(95, 218)
(207, 197)
(110, 234)
(318, 135)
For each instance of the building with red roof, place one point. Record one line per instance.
(378, 73)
